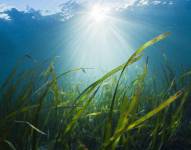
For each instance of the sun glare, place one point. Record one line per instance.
(98, 39)
(99, 13)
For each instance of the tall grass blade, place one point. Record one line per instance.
(79, 113)
(135, 57)
(150, 114)
(136, 54)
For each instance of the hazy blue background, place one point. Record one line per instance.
(51, 32)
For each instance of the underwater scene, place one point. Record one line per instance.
(95, 75)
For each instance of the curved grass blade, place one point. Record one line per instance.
(135, 57)
(10, 144)
(136, 54)
(156, 110)
(186, 74)
(58, 77)
(149, 115)
(32, 126)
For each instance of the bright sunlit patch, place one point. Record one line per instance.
(98, 39)
(99, 13)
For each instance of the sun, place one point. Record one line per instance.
(98, 13)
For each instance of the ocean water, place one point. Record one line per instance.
(100, 47)
(145, 108)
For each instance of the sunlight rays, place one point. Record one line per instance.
(97, 39)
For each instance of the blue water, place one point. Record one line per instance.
(47, 36)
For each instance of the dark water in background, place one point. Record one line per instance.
(45, 37)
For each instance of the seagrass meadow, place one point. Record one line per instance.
(95, 75)
(38, 111)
